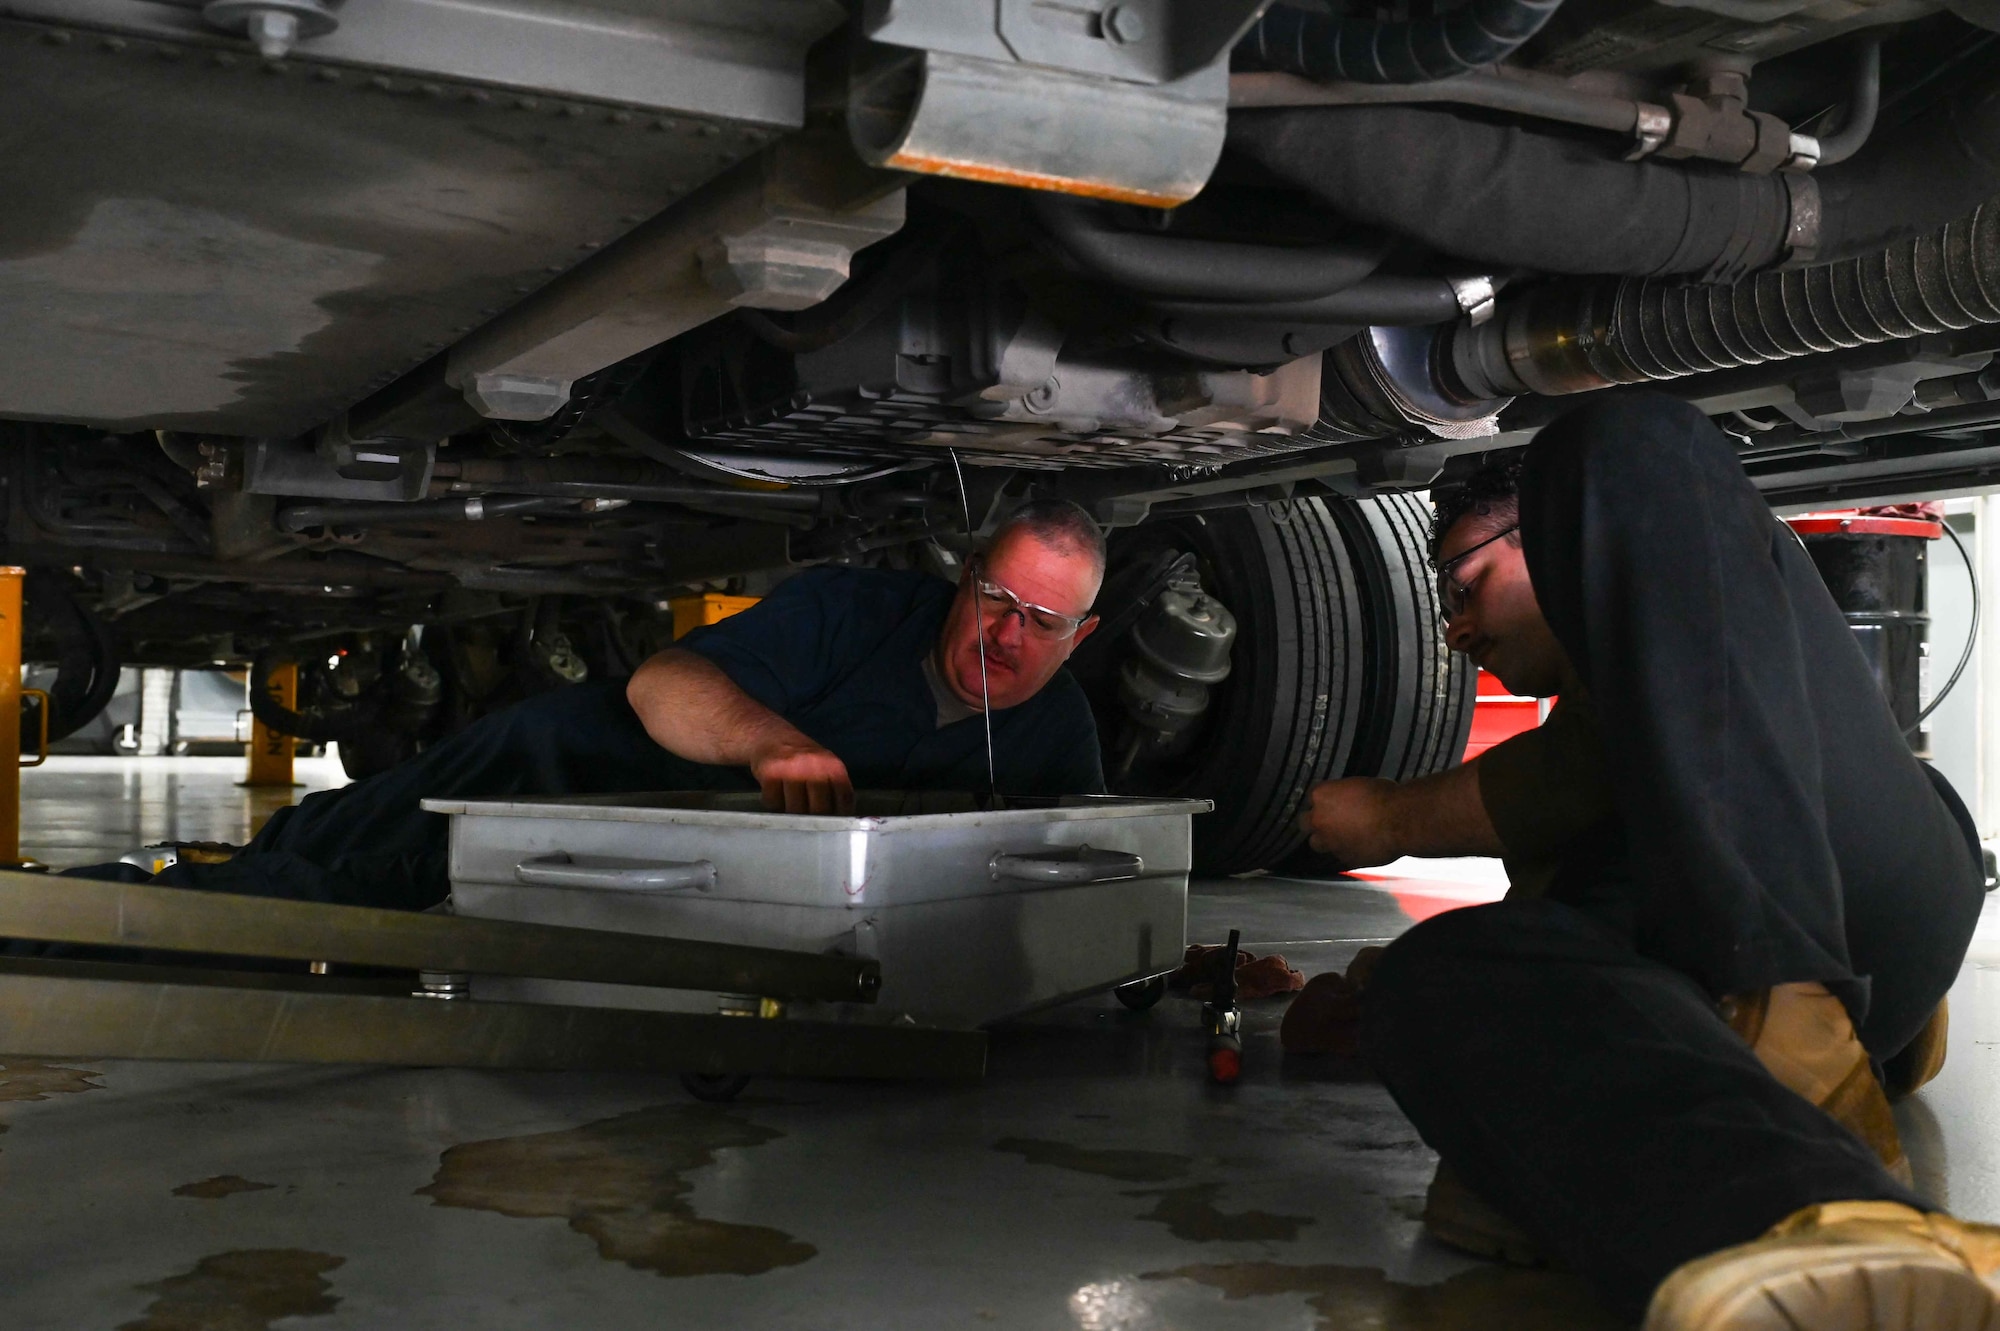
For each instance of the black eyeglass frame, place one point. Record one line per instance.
(1452, 597)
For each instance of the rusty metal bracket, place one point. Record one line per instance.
(1108, 99)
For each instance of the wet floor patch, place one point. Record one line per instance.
(25, 1079)
(222, 1185)
(1125, 1166)
(31, 1079)
(241, 1291)
(621, 1182)
(1191, 1213)
(1488, 1298)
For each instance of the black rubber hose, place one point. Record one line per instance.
(87, 668)
(1414, 50)
(1864, 103)
(1513, 197)
(1160, 265)
(313, 725)
(1394, 301)
(1925, 172)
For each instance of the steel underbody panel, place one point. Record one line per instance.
(200, 240)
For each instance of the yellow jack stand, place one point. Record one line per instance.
(11, 694)
(270, 752)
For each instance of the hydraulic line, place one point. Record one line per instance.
(1863, 104)
(299, 517)
(1380, 299)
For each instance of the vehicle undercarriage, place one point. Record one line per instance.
(441, 348)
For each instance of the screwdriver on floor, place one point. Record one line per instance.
(1224, 1021)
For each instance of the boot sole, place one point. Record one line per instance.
(1495, 1246)
(1457, 1216)
(1845, 1287)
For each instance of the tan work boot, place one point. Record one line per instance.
(1455, 1214)
(205, 852)
(1802, 1034)
(1922, 1060)
(1841, 1266)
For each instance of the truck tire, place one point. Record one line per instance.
(1284, 719)
(1418, 694)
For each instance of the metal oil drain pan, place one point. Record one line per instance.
(975, 913)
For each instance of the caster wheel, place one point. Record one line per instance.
(1142, 994)
(718, 1090)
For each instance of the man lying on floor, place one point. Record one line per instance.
(1736, 899)
(841, 677)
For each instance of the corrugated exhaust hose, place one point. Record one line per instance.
(1572, 337)
(1463, 38)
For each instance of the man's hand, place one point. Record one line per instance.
(1365, 820)
(803, 778)
(1350, 820)
(691, 708)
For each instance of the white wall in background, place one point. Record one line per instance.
(1958, 730)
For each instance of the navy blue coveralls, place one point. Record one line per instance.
(1565, 1053)
(837, 652)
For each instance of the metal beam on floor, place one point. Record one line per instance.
(79, 1017)
(91, 912)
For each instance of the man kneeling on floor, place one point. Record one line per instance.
(841, 677)
(1734, 890)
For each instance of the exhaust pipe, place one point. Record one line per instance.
(1573, 337)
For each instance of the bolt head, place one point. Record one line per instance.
(1124, 25)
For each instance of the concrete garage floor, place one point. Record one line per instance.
(1093, 1182)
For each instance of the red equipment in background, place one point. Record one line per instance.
(1498, 715)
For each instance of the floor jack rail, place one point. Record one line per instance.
(70, 1009)
(90, 911)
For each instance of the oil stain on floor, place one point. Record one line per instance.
(28, 1079)
(1189, 1212)
(1355, 1298)
(241, 1291)
(23, 1079)
(1125, 1166)
(621, 1182)
(222, 1185)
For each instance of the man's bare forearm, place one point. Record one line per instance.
(1441, 815)
(691, 708)
(1362, 821)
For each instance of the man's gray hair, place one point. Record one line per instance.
(1059, 524)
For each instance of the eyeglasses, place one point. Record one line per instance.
(1038, 620)
(1452, 597)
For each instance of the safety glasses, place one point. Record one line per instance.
(1038, 620)
(1452, 596)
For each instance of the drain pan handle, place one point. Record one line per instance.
(1066, 867)
(605, 874)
